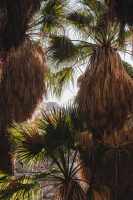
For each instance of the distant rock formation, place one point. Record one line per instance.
(51, 105)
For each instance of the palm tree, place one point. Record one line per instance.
(103, 90)
(59, 138)
(55, 132)
(22, 62)
(22, 87)
(22, 70)
(54, 140)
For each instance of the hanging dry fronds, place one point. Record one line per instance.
(115, 171)
(14, 18)
(22, 83)
(84, 139)
(71, 190)
(106, 92)
(125, 134)
(122, 10)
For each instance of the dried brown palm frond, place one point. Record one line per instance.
(71, 190)
(22, 83)
(14, 18)
(122, 10)
(116, 171)
(124, 135)
(106, 92)
(84, 139)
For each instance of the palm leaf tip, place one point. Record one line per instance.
(62, 48)
(52, 14)
(79, 19)
(128, 68)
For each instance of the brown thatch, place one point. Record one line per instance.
(122, 10)
(84, 139)
(122, 136)
(70, 190)
(14, 18)
(22, 83)
(116, 172)
(106, 92)
(113, 174)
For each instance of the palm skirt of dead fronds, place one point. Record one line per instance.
(106, 92)
(71, 190)
(122, 10)
(22, 83)
(114, 173)
(14, 18)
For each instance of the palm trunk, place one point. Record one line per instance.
(5, 155)
(5, 146)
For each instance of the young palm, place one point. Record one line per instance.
(52, 141)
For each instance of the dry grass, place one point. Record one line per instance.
(106, 92)
(22, 83)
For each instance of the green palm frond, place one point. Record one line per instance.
(57, 81)
(29, 143)
(94, 6)
(34, 144)
(63, 78)
(66, 65)
(80, 20)
(50, 18)
(13, 188)
(61, 48)
(54, 138)
(59, 126)
(128, 68)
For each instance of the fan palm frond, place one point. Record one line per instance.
(55, 129)
(56, 82)
(60, 126)
(54, 138)
(62, 48)
(50, 17)
(80, 20)
(23, 187)
(30, 144)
